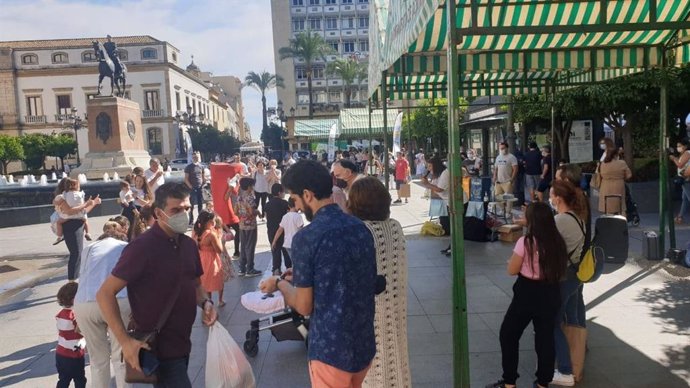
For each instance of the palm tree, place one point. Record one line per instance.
(349, 70)
(263, 82)
(308, 47)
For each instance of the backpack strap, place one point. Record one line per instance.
(584, 234)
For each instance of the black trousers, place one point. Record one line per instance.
(197, 198)
(261, 198)
(278, 253)
(236, 229)
(73, 230)
(70, 369)
(536, 302)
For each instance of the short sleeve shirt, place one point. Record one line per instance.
(195, 172)
(533, 162)
(504, 165)
(335, 256)
(401, 167)
(530, 262)
(153, 266)
(291, 224)
(149, 174)
(275, 209)
(443, 182)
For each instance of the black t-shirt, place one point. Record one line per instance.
(533, 162)
(195, 174)
(547, 161)
(275, 209)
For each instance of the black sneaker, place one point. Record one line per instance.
(498, 384)
(397, 201)
(241, 273)
(252, 272)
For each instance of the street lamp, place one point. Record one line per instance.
(188, 119)
(75, 124)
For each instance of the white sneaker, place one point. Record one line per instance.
(562, 380)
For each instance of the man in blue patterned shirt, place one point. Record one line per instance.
(334, 263)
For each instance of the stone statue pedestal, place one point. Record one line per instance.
(116, 138)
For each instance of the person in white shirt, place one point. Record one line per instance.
(154, 175)
(505, 172)
(97, 262)
(73, 197)
(238, 160)
(291, 223)
(261, 188)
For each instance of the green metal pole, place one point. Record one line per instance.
(384, 99)
(664, 208)
(371, 137)
(461, 363)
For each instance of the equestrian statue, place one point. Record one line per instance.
(109, 65)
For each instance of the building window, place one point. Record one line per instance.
(123, 55)
(331, 23)
(88, 56)
(174, 57)
(334, 46)
(60, 58)
(334, 96)
(320, 97)
(298, 25)
(314, 2)
(151, 100)
(297, 2)
(155, 140)
(300, 73)
(303, 98)
(364, 22)
(364, 1)
(177, 101)
(348, 22)
(364, 45)
(317, 73)
(315, 24)
(64, 104)
(30, 59)
(149, 53)
(34, 106)
(348, 47)
(187, 106)
(346, 2)
(331, 2)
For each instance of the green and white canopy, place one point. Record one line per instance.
(352, 123)
(527, 46)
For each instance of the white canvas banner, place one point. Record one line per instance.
(396, 133)
(332, 134)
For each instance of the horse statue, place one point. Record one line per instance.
(112, 68)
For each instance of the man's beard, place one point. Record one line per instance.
(308, 213)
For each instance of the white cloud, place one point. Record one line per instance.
(229, 37)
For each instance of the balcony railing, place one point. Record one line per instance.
(35, 119)
(146, 114)
(61, 117)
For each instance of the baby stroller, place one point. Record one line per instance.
(286, 325)
(633, 214)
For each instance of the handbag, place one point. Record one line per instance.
(596, 179)
(139, 376)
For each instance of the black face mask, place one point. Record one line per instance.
(341, 183)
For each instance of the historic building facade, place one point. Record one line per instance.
(41, 81)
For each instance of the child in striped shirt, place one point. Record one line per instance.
(69, 354)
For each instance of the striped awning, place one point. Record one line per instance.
(353, 123)
(314, 128)
(514, 40)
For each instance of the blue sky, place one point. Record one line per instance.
(230, 37)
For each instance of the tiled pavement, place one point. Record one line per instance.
(638, 318)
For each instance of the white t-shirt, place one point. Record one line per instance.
(139, 196)
(126, 197)
(261, 185)
(159, 182)
(74, 199)
(504, 167)
(97, 261)
(443, 182)
(291, 224)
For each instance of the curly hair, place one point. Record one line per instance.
(66, 293)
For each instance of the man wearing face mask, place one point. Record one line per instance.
(346, 173)
(505, 172)
(545, 177)
(160, 264)
(334, 276)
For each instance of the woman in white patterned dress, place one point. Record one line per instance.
(369, 201)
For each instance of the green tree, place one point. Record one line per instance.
(10, 150)
(60, 146)
(307, 47)
(209, 141)
(349, 70)
(262, 82)
(273, 137)
(35, 150)
(430, 121)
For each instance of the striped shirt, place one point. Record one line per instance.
(70, 343)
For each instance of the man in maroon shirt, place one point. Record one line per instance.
(152, 267)
(402, 172)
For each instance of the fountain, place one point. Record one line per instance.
(24, 181)
(32, 179)
(116, 176)
(43, 181)
(53, 177)
(11, 180)
(167, 173)
(81, 178)
(3, 180)
(64, 174)
(106, 177)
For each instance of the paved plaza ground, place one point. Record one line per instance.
(638, 315)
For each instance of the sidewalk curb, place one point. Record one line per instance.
(10, 288)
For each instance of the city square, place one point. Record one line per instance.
(451, 193)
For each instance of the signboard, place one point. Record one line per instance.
(332, 134)
(580, 143)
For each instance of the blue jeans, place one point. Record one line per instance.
(173, 374)
(571, 313)
(197, 198)
(685, 204)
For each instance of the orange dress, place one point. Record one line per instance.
(212, 279)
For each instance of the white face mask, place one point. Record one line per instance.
(177, 223)
(553, 206)
(602, 146)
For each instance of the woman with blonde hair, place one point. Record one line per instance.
(369, 201)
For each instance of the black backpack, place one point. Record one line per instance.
(475, 229)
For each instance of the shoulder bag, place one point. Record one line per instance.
(596, 179)
(144, 375)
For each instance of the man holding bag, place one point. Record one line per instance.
(161, 270)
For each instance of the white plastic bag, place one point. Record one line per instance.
(226, 365)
